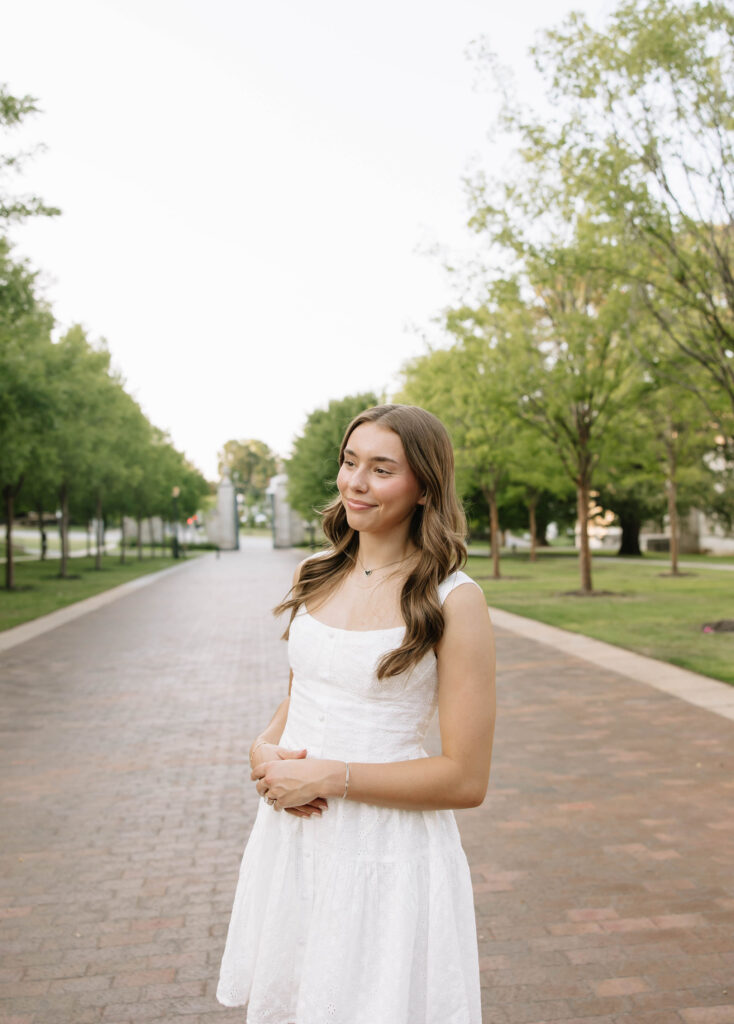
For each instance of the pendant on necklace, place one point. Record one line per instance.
(368, 572)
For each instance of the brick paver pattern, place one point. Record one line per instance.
(602, 857)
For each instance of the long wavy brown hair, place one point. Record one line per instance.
(438, 529)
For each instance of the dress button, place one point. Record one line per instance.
(322, 717)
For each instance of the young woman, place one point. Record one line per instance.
(355, 906)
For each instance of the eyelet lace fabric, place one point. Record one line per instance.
(364, 915)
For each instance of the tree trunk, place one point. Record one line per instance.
(582, 510)
(42, 529)
(631, 524)
(140, 537)
(532, 503)
(494, 531)
(98, 553)
(9, 560)
(122, 539)
(542, 521)
(64, 526)
(89, 538)
(673, 517)
(152, 537)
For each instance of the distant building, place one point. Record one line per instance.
(697, 533)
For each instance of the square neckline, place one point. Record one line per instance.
(341, 629)
(456, 576)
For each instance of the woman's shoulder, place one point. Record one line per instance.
(454, 580)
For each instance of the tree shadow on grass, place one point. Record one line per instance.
(593, 593)
(501, 579)
(721, 626)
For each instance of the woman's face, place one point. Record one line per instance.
(378, 488)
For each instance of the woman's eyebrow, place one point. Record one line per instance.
(375, 458)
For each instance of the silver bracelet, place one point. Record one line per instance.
(346, 781)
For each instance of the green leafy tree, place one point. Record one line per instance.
(137, 500)
(465, 387)
(111, 469)
(168, 469)
(122, 439)
(626, 485)
(38, 495)
(313, 466)
(14, 110)
(660, 453)
(681, 436)
(644, 133)
(565, 363)
(26, 389)
(24, 329)
(568, 305)
(538, 479)
(471, 388)
(81, 373)
(576, 371)
(636, 158)
(194, 487)
(134, 444)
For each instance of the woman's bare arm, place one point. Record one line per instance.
(270, 748)
(459, 776)
(274, 729)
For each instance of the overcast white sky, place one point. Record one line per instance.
(246, 188)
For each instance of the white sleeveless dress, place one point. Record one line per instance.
(364, 915)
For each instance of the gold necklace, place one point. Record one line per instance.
(368, 572)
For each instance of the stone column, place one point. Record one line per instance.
(288, 527)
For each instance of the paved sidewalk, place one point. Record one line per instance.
(602, 856)
(52, 620)
(680, 682)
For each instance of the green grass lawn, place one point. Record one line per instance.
(39, 589)
(645, 611)
(664, 556)
(33, 546)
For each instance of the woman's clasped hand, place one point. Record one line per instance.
(293, 783)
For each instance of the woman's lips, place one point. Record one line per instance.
(358, 506)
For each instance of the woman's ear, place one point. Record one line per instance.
(422, 499)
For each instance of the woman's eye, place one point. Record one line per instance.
(379, 469)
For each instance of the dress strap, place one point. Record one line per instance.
(456, 579)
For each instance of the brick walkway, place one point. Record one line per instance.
(602, 857)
